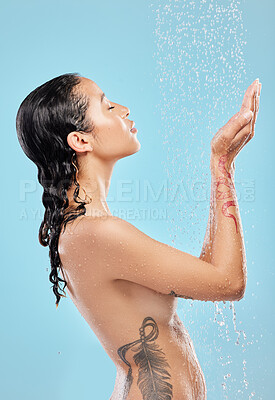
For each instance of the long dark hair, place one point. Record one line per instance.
(44, 119)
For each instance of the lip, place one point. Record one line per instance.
(133, 130)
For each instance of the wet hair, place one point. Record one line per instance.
(44, 119)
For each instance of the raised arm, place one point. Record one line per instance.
(121, 251)
(220, 182)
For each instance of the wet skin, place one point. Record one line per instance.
(137, 326)
(125, 283)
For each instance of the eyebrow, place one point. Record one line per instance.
(102, 96)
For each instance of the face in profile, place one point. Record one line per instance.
(112, 138)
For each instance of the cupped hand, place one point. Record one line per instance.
(240, 129)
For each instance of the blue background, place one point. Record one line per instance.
(182, 69)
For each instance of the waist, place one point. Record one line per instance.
(163, 358)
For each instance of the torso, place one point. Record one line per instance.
(138, 328)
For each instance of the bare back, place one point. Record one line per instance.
(137, 326)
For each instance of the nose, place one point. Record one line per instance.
(126, 112)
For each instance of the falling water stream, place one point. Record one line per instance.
(201, 75)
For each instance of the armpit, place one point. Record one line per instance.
(172, 293)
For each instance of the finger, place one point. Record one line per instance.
(245, 134)
(254, 115)
(258, 101)
(255, 107)
(260, 88)
(236, 123)
(258, 96)
(241, 139)
(254, 93)
(249, 94)
(249, 137)
(248, 102)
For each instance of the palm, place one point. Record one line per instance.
(237, 132)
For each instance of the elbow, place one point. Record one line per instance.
(238, 292)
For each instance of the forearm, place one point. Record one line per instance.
(207, 243)
(223, 244)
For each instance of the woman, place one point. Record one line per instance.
(123, 282)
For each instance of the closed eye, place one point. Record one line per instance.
(110, 108)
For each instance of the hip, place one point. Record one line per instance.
(160, 366)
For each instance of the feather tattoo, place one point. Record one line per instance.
(152, 366)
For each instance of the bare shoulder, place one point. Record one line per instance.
(99, 224)
(99, 229)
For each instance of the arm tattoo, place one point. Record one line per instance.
(224, 195)
(151, 362)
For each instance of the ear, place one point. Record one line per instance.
(80, 142)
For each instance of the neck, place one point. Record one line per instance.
(94, 176)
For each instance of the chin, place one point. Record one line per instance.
(136, 148)
(131, 150)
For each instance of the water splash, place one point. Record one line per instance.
(201, 76)
(200, 71)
